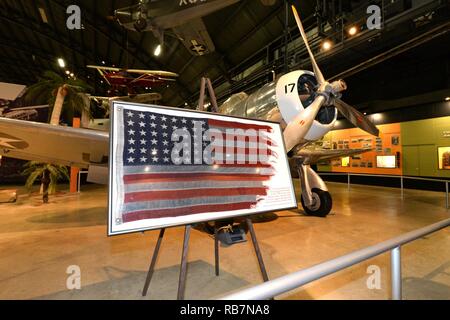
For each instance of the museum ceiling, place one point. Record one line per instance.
(243, 34)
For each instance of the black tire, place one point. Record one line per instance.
(325, 206)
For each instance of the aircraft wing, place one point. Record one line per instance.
(195, 37)
(53, 144)
(315, 156)
(113, 69)
(153, 73)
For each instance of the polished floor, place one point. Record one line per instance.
(38, 243)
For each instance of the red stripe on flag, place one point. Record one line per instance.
(234, 137)
(192, 193)
(175, 212)
(237, 125)
(183, 176)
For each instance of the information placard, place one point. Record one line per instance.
(171, 167)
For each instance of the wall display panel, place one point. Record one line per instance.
(387, 144)
(172, 167)
(444, 158)
(389, 162)
(345, 162)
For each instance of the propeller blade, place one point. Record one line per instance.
(356, 117)
(297, 129)
(319, 75)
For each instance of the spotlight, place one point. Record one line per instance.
(67, 72)
(158, 50)
(326, 45)
(353, 30)
(447, 99)
(377, 116)
(61, 62)
(72, 74)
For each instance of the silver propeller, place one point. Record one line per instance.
(318, 73)
(332, 91)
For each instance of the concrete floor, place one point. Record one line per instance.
(39, 242)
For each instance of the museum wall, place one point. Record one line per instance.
(426, 147)
(422, 148)
(387, 144)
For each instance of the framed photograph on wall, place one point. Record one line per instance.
(345, 162)
(444, 158)
(171, 167)
(388, 162)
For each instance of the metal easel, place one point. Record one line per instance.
(205, 83)
(183, 265)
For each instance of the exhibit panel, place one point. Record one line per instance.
(413, 148)
(170, 167)
(384, 158)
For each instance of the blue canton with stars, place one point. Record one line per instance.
(147, 137)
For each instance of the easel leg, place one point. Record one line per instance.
(183, 267)
(152, 264)
(216, 248)
(257, 250)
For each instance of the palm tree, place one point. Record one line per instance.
(49, 175)
(62, 94)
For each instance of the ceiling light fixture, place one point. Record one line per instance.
(158, 50)
(61, 62)
(447, 99)
(353, 30)
(377, 116)
(326, 45)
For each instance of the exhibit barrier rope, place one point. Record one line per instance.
(300, 278)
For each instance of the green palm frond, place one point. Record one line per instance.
(44, 91)
(33, 177)
(34, 170)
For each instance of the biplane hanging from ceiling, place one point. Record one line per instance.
(131, 79)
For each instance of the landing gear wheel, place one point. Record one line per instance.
(322, 203)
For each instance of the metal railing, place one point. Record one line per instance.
(401, 177)
(79, 179)
(299, 278)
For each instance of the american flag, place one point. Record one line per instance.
(159, 181)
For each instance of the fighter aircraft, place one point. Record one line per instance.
(303, 102)
(160, 15)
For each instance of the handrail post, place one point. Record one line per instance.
(401, 184)
(446, 195)
(396, 273)
(79, 181)
(348, 181)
